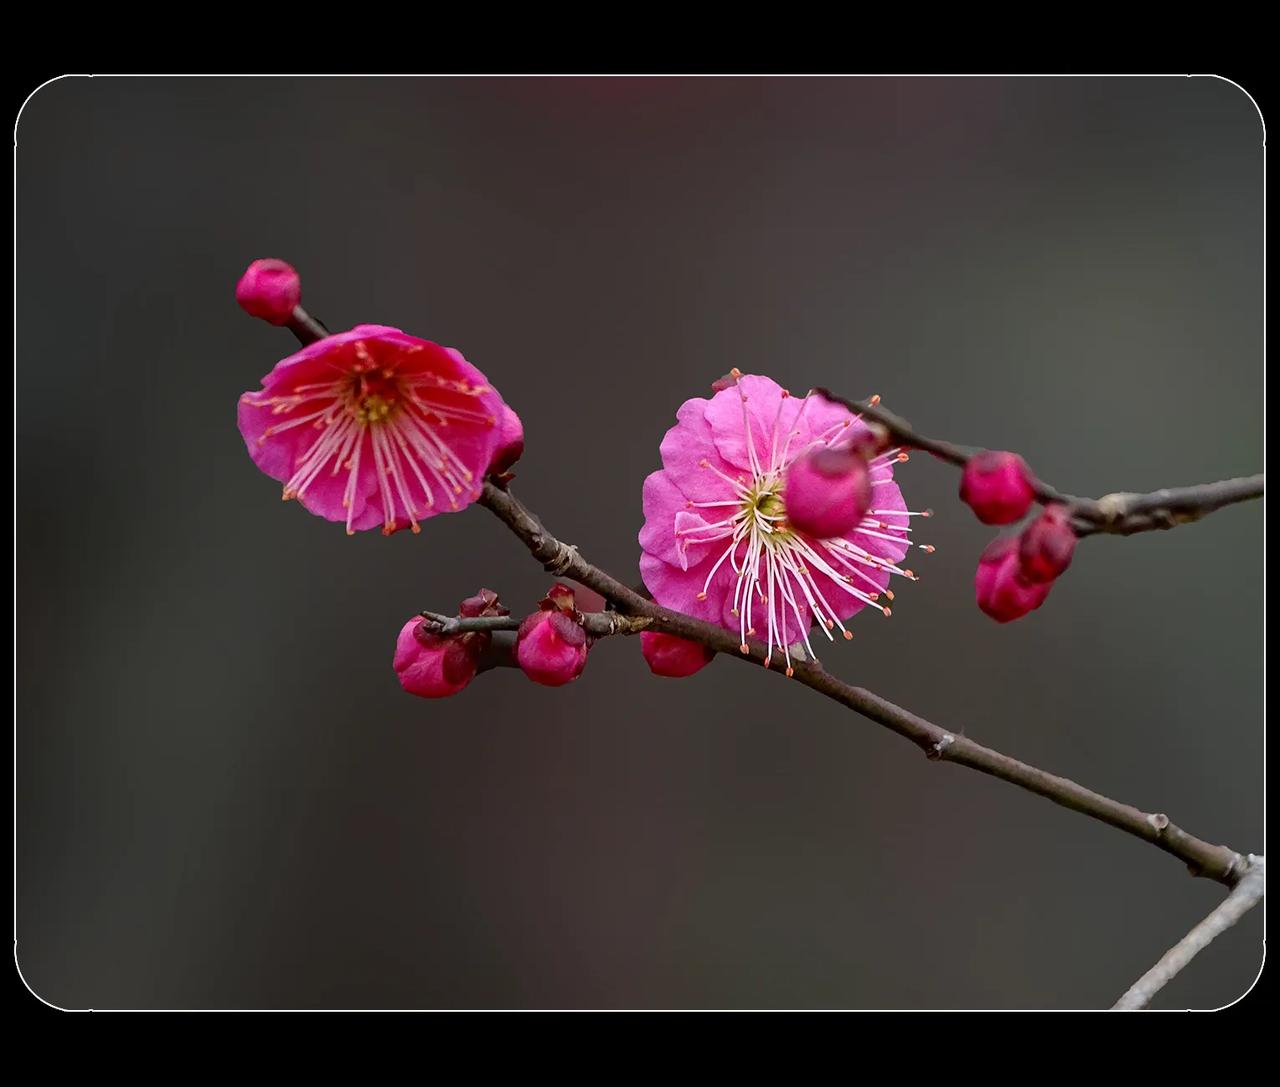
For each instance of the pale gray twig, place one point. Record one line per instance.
(1246, 894)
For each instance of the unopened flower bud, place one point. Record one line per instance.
(1047, 545)
(674, 657)
(1002, 592)
(551, 648)
(432, 666)
(269, 289)
(827, 492)
(997, 487)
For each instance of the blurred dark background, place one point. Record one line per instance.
(226, 801)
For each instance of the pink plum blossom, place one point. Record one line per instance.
(373, 427)
(717, 542)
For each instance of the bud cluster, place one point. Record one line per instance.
(1015, 573)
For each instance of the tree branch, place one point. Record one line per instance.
(1119, 514)
(1215, 862)
(1125, 514)
(1246, 894)
(599, 624)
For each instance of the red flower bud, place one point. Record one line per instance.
(1047, 545)
(827, 492)
(997, 487)
(551, 648)
(1002, 592)
(674, 657)
(269, 289)
(432, 666)
(436, 665)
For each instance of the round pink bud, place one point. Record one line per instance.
(827, 492)
(670, 656)
(510, 444)
(551, 648)
(432, 666)
(1002, 592)
(1047, 545)
(997, 487)
(269, 289)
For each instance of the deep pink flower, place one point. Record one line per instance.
(717, 542)
(374, 427)
(1002, 591)
(436, 666)
(997, 487)
(827, 492)
(269, 289)
(674, 657)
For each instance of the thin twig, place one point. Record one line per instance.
(903, 433)
(1246, 894)
(1215, 862)
(599, 624)
(1115, 514)
(305, 327)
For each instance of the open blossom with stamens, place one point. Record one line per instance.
(716, 539)
(373, 427)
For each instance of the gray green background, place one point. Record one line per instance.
(224, 800)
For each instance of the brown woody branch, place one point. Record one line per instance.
(599, 624)
(1119, 514)
(1216, 862)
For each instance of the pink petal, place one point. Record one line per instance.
(684, 449)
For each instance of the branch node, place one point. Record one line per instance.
(939, 749)
(1159, 821)
(1112, 507)
(560, 562)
